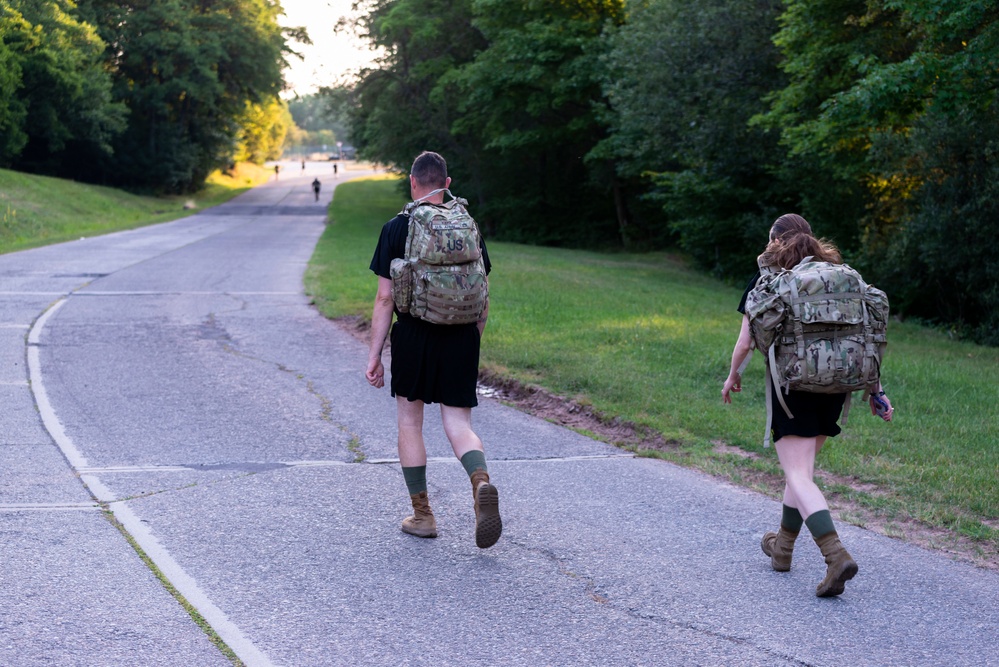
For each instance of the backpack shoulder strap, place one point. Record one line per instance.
(407, 211)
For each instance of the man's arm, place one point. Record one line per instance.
(381, 320)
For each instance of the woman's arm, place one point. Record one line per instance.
(743, 348)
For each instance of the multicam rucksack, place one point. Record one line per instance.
(821, 327)
(442, 276)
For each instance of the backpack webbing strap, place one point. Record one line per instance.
(772, 368)
(770, 414)
(773, 385)
(799, 332)
(868, 335)
(868, 348)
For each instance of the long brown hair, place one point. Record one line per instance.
(791, 240)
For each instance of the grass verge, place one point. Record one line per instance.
(39, 210)
(642, 338)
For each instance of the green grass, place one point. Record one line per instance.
(38, 210)
(647, 339)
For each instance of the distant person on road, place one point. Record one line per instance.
(334, 171)
(799, 440)
(316, 185)
(431, 363)
(277, 171)
(303, 165)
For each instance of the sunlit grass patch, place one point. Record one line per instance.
(39, 210)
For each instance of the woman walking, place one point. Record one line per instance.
(799, 440)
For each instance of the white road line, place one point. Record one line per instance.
(175, 574)
(184, 583)
(14, 383)
(15, 326)
(49, 418)
(36, 330)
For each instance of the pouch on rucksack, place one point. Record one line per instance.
(442, 276)
(821, 327)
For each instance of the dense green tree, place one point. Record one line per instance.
(939, 262)
(311, 113)
(12, 107)
(55, 93)
(400, 108)
(683, 80)
(893, 104)
(263, 128)
(932, 120)
(530, 99)
(320, 120)
(828, 47)
(337, 103)
(505, 90)
(186, 70)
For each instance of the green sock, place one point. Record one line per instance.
(474, 460)
(791, 519)
(820, 523)
(416, 479)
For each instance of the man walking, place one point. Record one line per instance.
(316, 185)
(431, 363)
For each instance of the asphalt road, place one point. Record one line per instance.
(172, 385)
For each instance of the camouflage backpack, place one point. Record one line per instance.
(821, 327)
(442, 277)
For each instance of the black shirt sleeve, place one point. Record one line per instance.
(749, 288)
(391, 244)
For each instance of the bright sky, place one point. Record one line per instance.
(332, 55)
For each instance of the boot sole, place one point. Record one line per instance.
(420, 534)
(488, 525)
(838, 585)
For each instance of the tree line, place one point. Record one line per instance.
(666, 123)
(147, 94)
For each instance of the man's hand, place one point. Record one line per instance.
(375, 373)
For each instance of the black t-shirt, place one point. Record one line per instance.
(749, 288)
(430, 362)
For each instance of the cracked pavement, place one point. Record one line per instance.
(176, 380)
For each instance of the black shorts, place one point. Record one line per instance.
(435, 363)
(814, 414)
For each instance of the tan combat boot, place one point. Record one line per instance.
(422, 523)
(485, 496)
(840, 566)
(779, 546)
